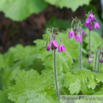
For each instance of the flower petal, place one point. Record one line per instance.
(73, 34)
(50, 42)
(80, 38)
(83, 33)
(90, 28)
(69, 34)
(77, 38)
(89, 61)
(59, 48)
(55, 45)
(63, 48)
(48, 48)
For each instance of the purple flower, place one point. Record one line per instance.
(83, 33)
(78, 38)
(89, 20)
(71, 34)
(89, 61)
(101, 52)
(53, 43)
(61, 48)
(87, 23)
(100, 61)
(47, 48)
(91, 17)
(96, 25)
(90, 28)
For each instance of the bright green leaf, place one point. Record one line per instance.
(73, 4)
(19, 10)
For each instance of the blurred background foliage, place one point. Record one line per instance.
(22, 21)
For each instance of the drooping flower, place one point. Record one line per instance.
(83, 33)
(47, 48)
(100, 60)
(87, 23)
(53, 44)
(79, 38)
(61, 48)
(71, 34)
(90, 59)
(101, 52)
(96, 25)
(91, 17)
(89, 20)
(90, 28)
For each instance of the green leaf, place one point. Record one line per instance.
(3, 97)
(31, 87)
(19, 10)
(83, 81)
(74, 4)
(64, 59)
(96, 40)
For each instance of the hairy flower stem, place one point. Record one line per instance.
(80, 51)
(98, 62)
(95, 60)
(89, 44)
(55, 70)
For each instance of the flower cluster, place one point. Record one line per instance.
(76, 35)
(101, 57)
(90, 59)
(91, 19)
(53, 44)
(77, 31)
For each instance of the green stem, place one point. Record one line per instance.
(55, 72)
(98, 62)
(89, 44)
(80, 51)
(95, 60)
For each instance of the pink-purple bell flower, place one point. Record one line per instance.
(90, 59)
(83, 33)
(100, 60)
(91, 17)
(71, 34)
(89, 20)
(87, 23)
(79, 38)
(96, 25)
(90, 28)
(61, 48)
(53, 44)
(48, 48)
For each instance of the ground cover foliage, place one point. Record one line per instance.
(27, 75)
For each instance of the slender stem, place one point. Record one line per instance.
(95, 60)
(55, 72)
(80, 51)
(98, 62)
(89, 44)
